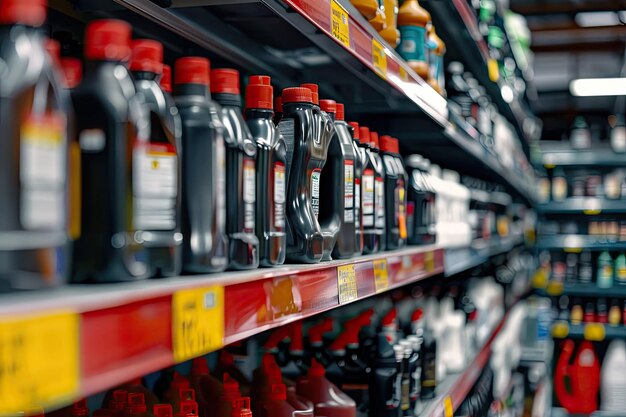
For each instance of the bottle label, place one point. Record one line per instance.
(620, 273)
(413, 43)
(220, 190)
(401, 199)
(406, 400)
(368, 198)
(279, 195)
(559, 188)
(286, 128)
(42, 172)
(357, 202)
(249, 193)
(380, 203)
(155, 186)
(315, 190)
(348, 203)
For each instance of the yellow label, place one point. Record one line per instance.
(494, 72)
(592, 212)
(572, 250)
(540, 279)
(339, 23)
(429, 261)
(560, 330)
(549, 166)
(402, 214)
(448, 409)
(381, 275)
(594, 332)
(379, 58)
(404, 76)
(346, 284)
(197, 321)
(39, 361)
(554, 288)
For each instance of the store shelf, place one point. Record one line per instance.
(576, 243)
(462, 259)
(562, 155)
(583, 205)
(590, 290)
(594, 332)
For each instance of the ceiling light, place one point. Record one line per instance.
(589, 87)
(595, 19)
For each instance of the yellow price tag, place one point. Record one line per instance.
(494, 71)
(197, 321)
(549, 166)
(594, 332)
(346, 284)
(379, 58)
(39, 361)
(592, 212)
(429, 261)
(381, 275)
(572, 250)
(560, 330)
(554, 288)
(339, 23)
(540, 279)
(448, 409)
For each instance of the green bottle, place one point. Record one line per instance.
(605, 270)
(620, 269)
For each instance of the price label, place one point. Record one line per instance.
(448, 409)
(346, 283)
(39, 361)
(381, 275)
(560, 330)
(379, 58)
(592, 212)
(429, 261)
(594, 332)
(339, 23)
(197, 321)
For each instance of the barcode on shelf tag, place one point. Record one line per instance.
(39, 361)
(429, 261)
(346, 283)
(594, 332)
(339, 23)
(448, 409)
(381, 275)
(379, 58)
(197, 321)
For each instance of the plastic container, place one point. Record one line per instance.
(613, 378)
(358, 174)
(135, 386)
(136, 406)
(421, 205)
(379, 190)
(379, 21)
(203, 209)
(604, 275)
(172, 393)
(436, 76)
(327, 399)
(371, 234)
(337, 184)
(208, 389)
(391, 33)
(412, 22)
(428, 381)
(241, 407)
(367, 8)
(271, 175)
(113, 130)
(230, 392)
(156, 164)
(576, 385)
(240, 172)
(395, 193)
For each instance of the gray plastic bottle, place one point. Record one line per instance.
(358, 179)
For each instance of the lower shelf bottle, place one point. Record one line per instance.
(395, 193)
(328, 401)
(580, 393)
(371, 234)
(358, 176)
(428, 381)
(379, 190)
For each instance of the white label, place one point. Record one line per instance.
(315, 191)
(279, 195)
(357, 202)
(368, 198)
(348, 203)
(380, 203)
(249, 194)
(42, 172)
(155, 186)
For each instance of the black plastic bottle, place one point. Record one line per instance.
(113, 128)
(395, 193)
(203, 208)
(271, 176)
(371, 234)
(33, 154)
(428, 379)
(386, 384)
(420, 203)
(240, 172)
(306, 134)
(379, 190)
(157, 164)
(358, 174)
(337, 186)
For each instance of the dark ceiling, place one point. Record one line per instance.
(565, 51)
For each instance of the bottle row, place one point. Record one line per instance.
(585, 268)
(603, 311)
(604, 229)
(582, 183)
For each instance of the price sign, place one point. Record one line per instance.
(346, 284)
(594, 332)
(339, 23)
(448, 409)
(429, 261)
(39, 361)
(197, 321)
(381, 275)
(379, 58)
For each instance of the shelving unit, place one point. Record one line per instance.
(560, 155)
(592, 290)
(594, 332)
(462, 259)
(576, 243)
(583, 205)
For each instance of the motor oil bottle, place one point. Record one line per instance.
(395, 193)
(33, 154)
(241, 407)
(207, 388)
(379, 21)
(379, 190)
(271, 175)
(390, 33)
(358, 176)
(240, 171)
(428, 377)
(230, 392)
(386, 380)
(157, 165)
(412, 22)
(203, 208)
(162, 410)
(133, 387)
(305, 130)
(367, 8)
(327, 399)
(371, 234)
(116, 405)
(178, 382)
(113, 130)
(420, 203)
(337, 184)
(315, 341)
(136, 406)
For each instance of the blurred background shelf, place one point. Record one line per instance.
(583, 205)
(576, 243)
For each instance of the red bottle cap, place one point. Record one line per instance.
(187, 394)
(316, 369)
(79, 409)
(297, 95)
(27, 12)
(340, 115)
(259, 92)
(136, 403)
(278, 104)
(230, 389)
(166, 79)
(356, 128)
(225, 81)
(396, 145)
(162, 410)
(317, 331)
(72, 70)
(199, 366)
(386, 143)
(118, 402)
(241, 407)
(147, 55)
(329, 106)
(108, 40)
(364, 134)
(315, 95)
(374, 140)
(390, 318)
(278, 392)
(187, 409)
(54, 50)
(192, 70)
(417, 314)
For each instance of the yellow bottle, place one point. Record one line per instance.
(436, 77)
(391, 33)
(412, 23)
(379, 21)
(367, 8)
